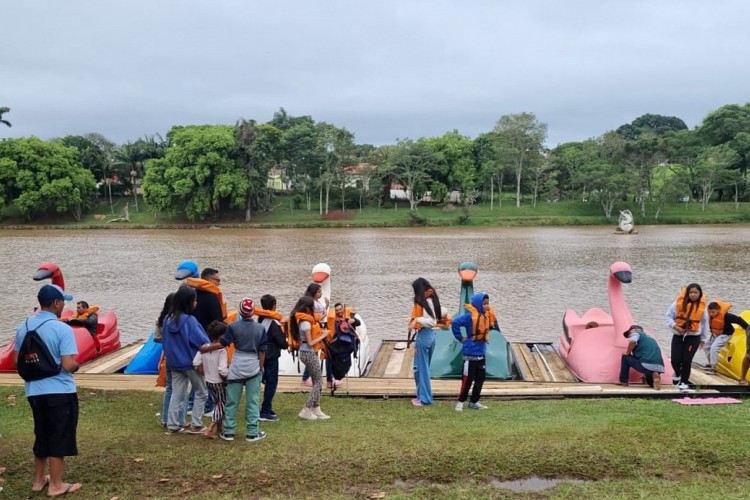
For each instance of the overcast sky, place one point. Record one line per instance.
(384, 69)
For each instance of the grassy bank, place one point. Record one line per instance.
(399, 215)
(615, 448)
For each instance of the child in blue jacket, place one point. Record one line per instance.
(476, 323)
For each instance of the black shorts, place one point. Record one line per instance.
(55, 424)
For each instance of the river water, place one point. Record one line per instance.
(531, 274)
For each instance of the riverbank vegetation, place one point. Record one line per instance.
(397, 214)
(294, 166)
(604, 448)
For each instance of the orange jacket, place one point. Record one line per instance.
(314, 332)
(717, 322)
(690, 317)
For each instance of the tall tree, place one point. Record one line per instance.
(408, 162)
(39, 177)
(712, 169)
(519, 139)
(651, 125)
(198, 172)
(258, 150)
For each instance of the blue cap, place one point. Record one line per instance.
(186, 269)
(49, 293)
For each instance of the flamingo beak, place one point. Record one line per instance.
(624, 276)
(42, 274)
(320, 277)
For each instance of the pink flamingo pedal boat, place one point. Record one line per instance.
(106, 340)
(592, 345)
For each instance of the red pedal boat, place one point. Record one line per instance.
(90, 347)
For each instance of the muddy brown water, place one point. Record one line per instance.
(531, 274)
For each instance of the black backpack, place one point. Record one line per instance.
(35, 362)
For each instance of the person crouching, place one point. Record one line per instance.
(643, 355)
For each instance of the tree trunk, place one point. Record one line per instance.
(247, 208)
(518, 186)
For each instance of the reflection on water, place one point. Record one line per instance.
(531, 274)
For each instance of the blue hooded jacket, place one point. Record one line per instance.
(181, 340)
(471, 347)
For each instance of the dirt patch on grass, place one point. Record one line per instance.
(338, 215)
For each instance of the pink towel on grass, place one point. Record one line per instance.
(707, 401)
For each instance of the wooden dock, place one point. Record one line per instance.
(541, 374)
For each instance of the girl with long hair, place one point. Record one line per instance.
(687, 317)
(307, 332)
(182, 337)
(425, 316)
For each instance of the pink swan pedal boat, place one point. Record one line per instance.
(90, 347)
(592, 345)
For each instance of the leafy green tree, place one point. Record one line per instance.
(651, 125)
(39, 177)
(197, 171)
(408, 162)
(669, 184)
(642, 156)
(4, 110)
(336, 146)
(730, 125)
(712, 168)
(258, 150)
(519, 139)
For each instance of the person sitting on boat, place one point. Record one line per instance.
(688, 320)
(477, 323)
(345, 342)
(85, 316)
(721, 324)
(642, 355)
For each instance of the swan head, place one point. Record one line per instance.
(50, 270)
(321, 272)
(621, 271)
(467, 271)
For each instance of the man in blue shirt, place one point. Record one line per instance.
(53, 400)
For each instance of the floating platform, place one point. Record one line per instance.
(541, 374)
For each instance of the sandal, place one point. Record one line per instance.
(743, 381)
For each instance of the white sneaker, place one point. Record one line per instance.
(319, 413)
(459, 406)
(477, 406)
(683, 387)
(307, 414)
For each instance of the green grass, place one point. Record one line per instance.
(616, 448)
(567, 213)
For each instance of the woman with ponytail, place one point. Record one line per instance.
(310, 336)
(425, 316)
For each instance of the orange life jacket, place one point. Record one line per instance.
(314, 332)
(264, 313)
(717, 322)
(417, 312)
(689, 318)
(85, 314)
(207, 286)
(481, 323)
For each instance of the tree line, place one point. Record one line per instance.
(208, 171)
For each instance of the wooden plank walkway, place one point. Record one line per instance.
(541, 375)
(114, 361)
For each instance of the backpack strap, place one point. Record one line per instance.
(37, 328)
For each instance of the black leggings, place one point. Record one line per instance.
(683, 352)
(474, 371)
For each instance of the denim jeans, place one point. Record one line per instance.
(424, 347)
(252, 412)
(165, 404)
(629, 362)
(178, 401)
(713, 346)
(271, 379)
